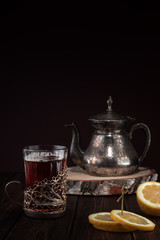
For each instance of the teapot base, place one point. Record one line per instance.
(109, 171)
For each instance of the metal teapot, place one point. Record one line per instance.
(110, 151)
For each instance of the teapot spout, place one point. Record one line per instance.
(76, 152)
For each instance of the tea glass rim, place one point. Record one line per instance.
(43, 148)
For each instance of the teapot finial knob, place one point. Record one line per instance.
(109, 102)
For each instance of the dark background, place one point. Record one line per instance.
(60, 64)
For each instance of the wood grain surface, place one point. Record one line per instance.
(73, 225)
(81, 183)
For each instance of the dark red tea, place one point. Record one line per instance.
(38, 171)
(45, 185)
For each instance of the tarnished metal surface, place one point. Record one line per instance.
(110, 151)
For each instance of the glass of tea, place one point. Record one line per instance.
(45, 180)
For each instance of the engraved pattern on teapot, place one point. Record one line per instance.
(110, 151)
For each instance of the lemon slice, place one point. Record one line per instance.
(148, 197)
(103, 221)
(132, 220)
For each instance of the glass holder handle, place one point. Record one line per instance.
(8, 195)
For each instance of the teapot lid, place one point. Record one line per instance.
(108, 115)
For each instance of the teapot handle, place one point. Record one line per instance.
(148, 138)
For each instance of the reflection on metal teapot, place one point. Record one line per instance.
(110, 151)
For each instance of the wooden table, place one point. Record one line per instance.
(73, 225)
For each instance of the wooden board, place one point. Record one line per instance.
(79, 182)
(73, 225)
